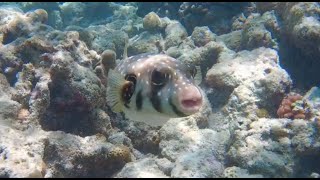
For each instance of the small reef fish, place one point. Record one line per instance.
(152, 88)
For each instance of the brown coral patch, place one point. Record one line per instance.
(287, 107)
(120, 153)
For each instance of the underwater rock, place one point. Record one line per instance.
(163, 9)
(305, 140)
(217, 14)
(84, 13)
(152, 22)
(232, 40)
(27, 6)
(238, 22)
(52, 8)
(256, 31)
(203, 57)
(74, 92)
(313, 98)
(120, 138)
(251, 75)
(276, 147)
(268, 6)
(9, 111)
(70, 42)
(124, 18)
(236, 172)
(21, 153)
(175, 33)
(36, 153)
(23, 86)
(195, 152)
(197, 165)
(144, 42)
(105, 38)
(5, 88)
(19, 24)
(101, 122)
(143, 137)
(144, 168)
(124, 11)
(202, 35)
(68, 155)
(257, 151)
(299, 40)
(40, 96)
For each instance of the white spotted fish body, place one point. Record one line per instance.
(152, 88)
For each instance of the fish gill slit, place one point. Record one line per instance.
(139, 100)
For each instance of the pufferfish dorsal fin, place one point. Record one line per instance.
(115, 83)
(198, 76)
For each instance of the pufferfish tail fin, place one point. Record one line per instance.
(115, 82)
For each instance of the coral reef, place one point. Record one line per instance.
(54, 62)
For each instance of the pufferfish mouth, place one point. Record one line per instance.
(190, 101)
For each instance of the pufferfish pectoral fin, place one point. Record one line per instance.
(114, 88)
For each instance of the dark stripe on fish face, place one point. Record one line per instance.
(155, 99)
(175, 109)
(139, 100)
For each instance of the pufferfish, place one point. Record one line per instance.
(152, 88)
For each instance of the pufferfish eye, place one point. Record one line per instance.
(159, 78)
(132, 78)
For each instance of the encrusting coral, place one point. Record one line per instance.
(120, 152)
(293, 107)
(151, 21)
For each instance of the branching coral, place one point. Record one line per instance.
(294, 107)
